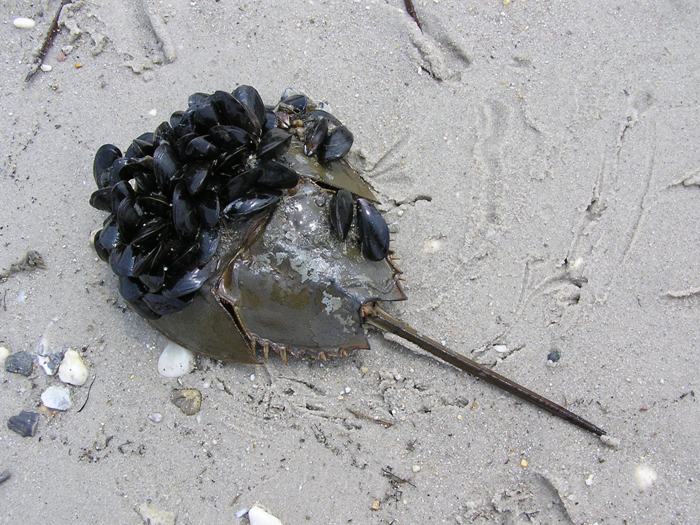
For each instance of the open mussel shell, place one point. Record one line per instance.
(315, 136)
(104, 158)
(374, 232)
(341, 212)
(336, 145)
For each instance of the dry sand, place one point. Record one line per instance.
(531, 158)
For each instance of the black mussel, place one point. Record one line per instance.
(182, 142)
(150, 233)
(176, 118)
(274, 143)
(341, 211)
(204, 117)
(233, 162)
(250, 98)
(104, 158)
(208, 243)
(145, 182)
(130, 289)
(197, 99)
(239, 184)
(251, 204)
(315, 136)
(109, 235)
(102, 252)
(374, 232)
(229, 137)
(185, 124)
(147, 261)
(141, 146)
(123, 260)
(164, 133)
(102, 199)
(336, 145)
(154, 204)
(318, 114)
(208, 208)
(153, 281)
(181, 256)
(298, 102)
(277, 175)
(120, 191)
(195, 175)
(162, 305)
(233, 112)
(201, 148)
(189, 282)
(166, 165)
(129, 217)
(270, 120)
(185, 217)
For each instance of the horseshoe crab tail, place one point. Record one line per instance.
(378, 318)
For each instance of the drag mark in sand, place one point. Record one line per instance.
(160, 32)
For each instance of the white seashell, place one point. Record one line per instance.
(4, 352)
(175, 361)
(73, 370)
(24, 23)
(57, 398)
(258, 516)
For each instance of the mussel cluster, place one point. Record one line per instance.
(219, 161)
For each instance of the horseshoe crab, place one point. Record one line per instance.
(238, 229)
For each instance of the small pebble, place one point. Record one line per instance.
(50, 363)
(24, 423)
(376, 504)
(524, 463)
(554, 356)
(46, 67)
(4, 476)
(152, 515)
(22, 22)
(188, 400)
(20, 363)
(4, 353)
(175, 361)
(155, 417)
(57, 398)
(259, 516)
(415, 469)
(73, 370)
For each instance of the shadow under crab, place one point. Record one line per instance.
(231, 231)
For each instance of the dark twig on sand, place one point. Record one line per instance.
(53, 30)
(88, 393)
(412, 13)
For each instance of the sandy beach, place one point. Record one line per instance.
(537, 163)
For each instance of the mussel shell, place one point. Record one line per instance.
(185, 124)
(146, 182)
(123, 260)
(164, 133)
(176, 118)
(233, 112)
(154, 204)
(147, 261)
(251, 204)
(189, 282)
(197, 99)
(153, 281)
(150, 233)
(239, 184)
(196, 175)
(120, 191)
(129, 217)
(277, 175)
(270, 120)
(205, 116)
(104, 158)
(164, 305)
(201, 148)
(374, 232)
(208, 243)
(232, 162)
(315, 136)
(109, 235)
(208, 208)
(166, 165)
(102, 253)
(336, 145)
(249, 97)
(102, 199)
(229, 137)
(298, 102)
(132, 292)
(341, 212)
(318, 114)
(274, 143)
(185, 217)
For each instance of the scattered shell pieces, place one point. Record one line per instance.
(24, 423)
(175, 361)
(155, 417)
(57, 398)
(22, 22)
(155, 516)
(644, 476)
(73, 370)
(259, 516)
(4, 353)
(188, 400)
(20, 363)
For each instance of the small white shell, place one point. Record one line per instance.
(24, 23)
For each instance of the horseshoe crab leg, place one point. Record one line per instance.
(378, 318)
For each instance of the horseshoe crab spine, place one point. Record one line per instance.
(378, 318)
